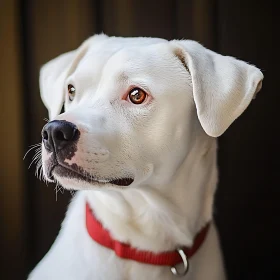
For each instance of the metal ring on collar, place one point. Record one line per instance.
(185, 263)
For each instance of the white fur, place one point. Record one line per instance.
(166, 144)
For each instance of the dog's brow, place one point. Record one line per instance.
(122, 77)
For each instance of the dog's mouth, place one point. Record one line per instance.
(78, 174)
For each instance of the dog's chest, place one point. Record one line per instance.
(88, 260)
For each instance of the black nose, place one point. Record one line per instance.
(59, 134)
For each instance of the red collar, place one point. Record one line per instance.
(125, 251)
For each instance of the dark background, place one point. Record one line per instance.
(247, 205)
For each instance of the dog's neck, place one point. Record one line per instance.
(164, 217)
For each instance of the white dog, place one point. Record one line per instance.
(138, 140)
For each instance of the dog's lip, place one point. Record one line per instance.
(59, 169)
(50, 171)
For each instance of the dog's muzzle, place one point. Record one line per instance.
(60, 139)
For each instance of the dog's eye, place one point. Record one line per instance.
(137, 96)
(71, 92)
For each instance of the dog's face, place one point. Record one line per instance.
(134, 107)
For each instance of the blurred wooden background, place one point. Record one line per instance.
(247, 204)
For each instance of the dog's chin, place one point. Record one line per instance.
(71, 179)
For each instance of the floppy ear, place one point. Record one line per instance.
(223, 86)
(54, 73)
(51, 81)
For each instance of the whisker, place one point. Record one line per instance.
(39, 148)
(61, 189)
(31, 148)
(38, 166)
(43, 176)
(35, 158)
(38, 152)
(58, 189)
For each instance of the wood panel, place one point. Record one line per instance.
(138, 18)
(11, 147)
(248, 194)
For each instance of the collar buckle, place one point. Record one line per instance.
(185, 264)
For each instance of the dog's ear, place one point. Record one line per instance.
(51, 81)
(54, 73)
(223, 86)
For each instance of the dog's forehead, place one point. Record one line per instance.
(113, 44)
(101, 51)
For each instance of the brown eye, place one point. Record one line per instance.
(137, 95)
(71, 92)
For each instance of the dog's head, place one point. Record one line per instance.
(134, 107)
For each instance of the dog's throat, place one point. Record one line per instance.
(167, 258)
